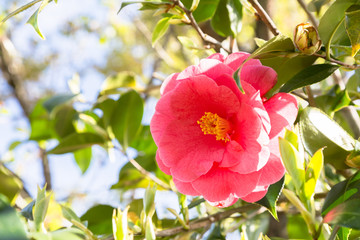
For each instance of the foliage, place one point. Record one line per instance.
(320, 190)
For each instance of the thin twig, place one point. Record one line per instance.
(352, 67)
(334, 232)
(206, 38)
(311, 98)
(308, 13)
(264, 17)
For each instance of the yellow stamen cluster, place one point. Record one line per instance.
(211, 123)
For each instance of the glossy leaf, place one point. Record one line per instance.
(160, 29)
(227, 18)
(127, 120)
(332, 17)
(11, 227)
(77, 141)
(10, 185)
(113, 84)
(69, 214)
(334, 100)
(40, 208)
(271, 197)
(312, 173)
(83, 158)
(293, 163)
(279, 43)
(99, 219)
(341, 192)
(51, 103)
(33, 20)
(346, 214)
(352, 26)
(308, 76)
(204, 11)
(317, 130)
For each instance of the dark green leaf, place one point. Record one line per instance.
(196, 202)
(352, 26)
(308, 76)
(11, 227)
(144, 142)
(333, 101)
(77, 141)
(112, 84)
(83, 158)
(99, 219)
(236, 77)
(107, 107)
(63, 118)
(226, 20)
(10, 185)
(27, 211)
(127, 120)
(205, 9)
(57, 100)
(346, 214)
(160, 29)
(271, 197)
(341, 192)
(317, 130)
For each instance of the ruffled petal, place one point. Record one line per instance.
(161, 164)
(262, 78)
(282, 109)
(235, 60)
(256, 195)
(185, 188)
(214, 68)
(217, 56)
(272, 172)
(219, 183)
(225, 203)
(169, 83)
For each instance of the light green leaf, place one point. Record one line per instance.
(343, 233)
(69, 214)
(40, 123)
(127, 120)
(149, 199)
(40, 208)
(77, 141)
(293, 163)
(160, 29)
(271, 197)
(10, 185)
(352, 26)
(194, 5)
(20, 9)
(83, 158)
(204, 11)
(150, 231)
(112, 84)
(11, 227)
(63, 117)
(33, 20)
(147, 5)
(120, 224)
(68, 234)
(317, 130)
(346, 214)
(312, 173)
(308, 76)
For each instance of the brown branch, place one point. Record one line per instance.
(352, 67)
(308, 13)
(264, 17)
(12, 69)
(206, 38)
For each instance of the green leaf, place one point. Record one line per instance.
(27, 211)
(149, 231)
(77, 141)
(51, 103)
(83, 158)
(294, 163)
(341, 192)
(99, 219)
(33, 20)
(279, 43)
(40, 123)
(312, 173)
(107, 107)
(236, 77)
(146, 5)
(352, 26)
(40, 208)
(317, 130)
(226, 20)
(194, 5)
(308, 76)
(204, 11)
(113, 84)
(63, 117)
(160, 29)
(69, 214)
(332, 17)
(149, 199)
(68, 234)
(120, 224)
(10, 185)
(11, 227)
(20, 9)
(127, 120)
(346, 214)
(271, 197)
(333, 101)
(343, 233)
(144, 142)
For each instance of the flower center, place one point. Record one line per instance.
(211, 123)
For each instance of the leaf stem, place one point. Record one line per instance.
(334, 232)
(352, 67)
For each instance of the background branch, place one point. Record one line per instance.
(264, 17)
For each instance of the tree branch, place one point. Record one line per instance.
(12, 69)
(308, 13)
(264, 17)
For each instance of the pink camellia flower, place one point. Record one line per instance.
(216, 141)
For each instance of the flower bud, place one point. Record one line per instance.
(353, 159)
(306, 39)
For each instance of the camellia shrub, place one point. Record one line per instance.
(254, 131)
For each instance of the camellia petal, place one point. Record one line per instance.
(225, 203)
(272, 172)
(256, 195)
(185, 188)
(161, 164)
(262, 78)
(169, 83)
